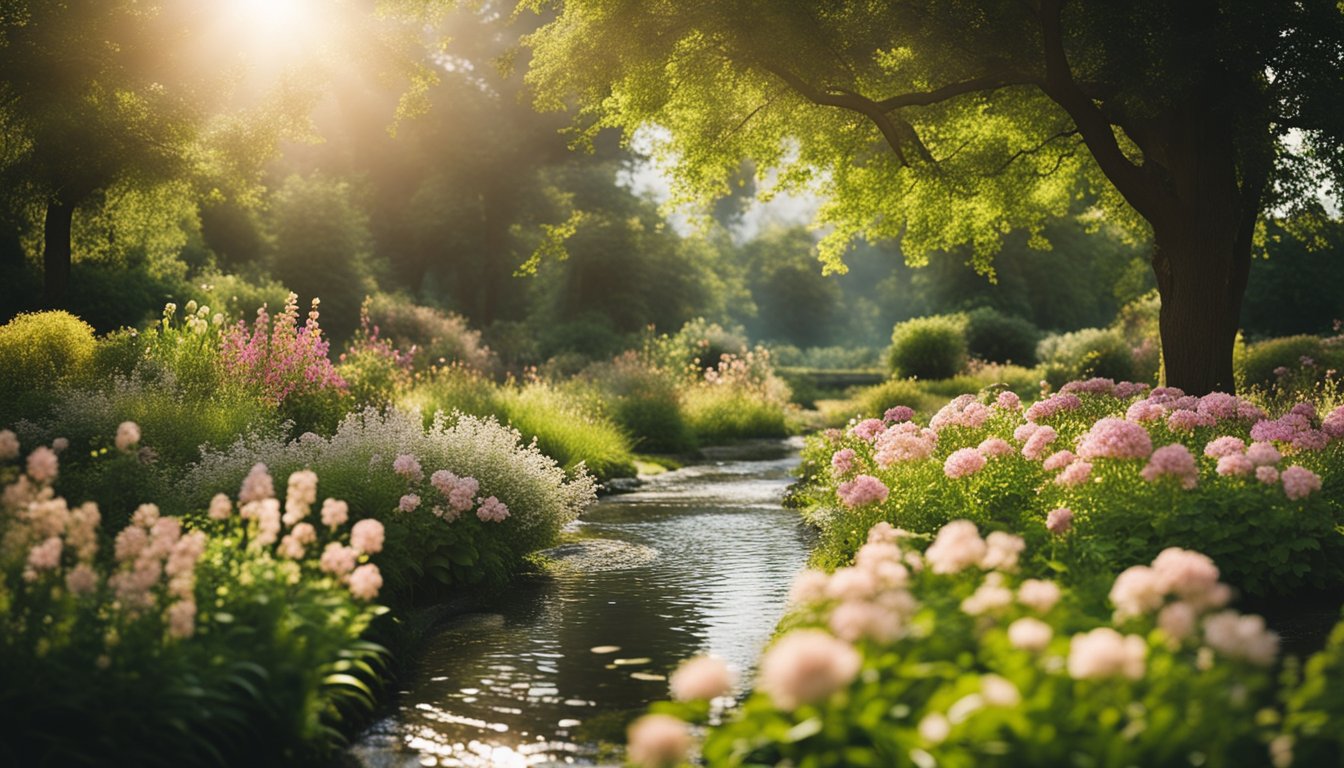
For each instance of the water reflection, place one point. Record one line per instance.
(697, 560)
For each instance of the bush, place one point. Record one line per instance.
(1262, 361)
(567, 430)
(824, 358)
(740, 398)
(1085, 354)
(645, 401)
(892, 393)
(375, 372)
(431, 337)
(995, 337)
(238, 297)
(949, 658)
(702, 344)
(928, 347)
(38, 352)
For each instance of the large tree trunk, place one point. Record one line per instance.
(56, 252)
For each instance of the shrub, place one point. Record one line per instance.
(995, 337)
(891, 393)
(1089, 353)
(949, 658)
(186, 644)
(39, 351)
(384, 464)
(931, 347)
(374, 370)
(238, 296)
(825, 358)
(645, 401)
(703, 344)
(1265, 363)
(431, 337)
(740, 398)
(567, 430)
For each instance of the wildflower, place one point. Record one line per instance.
(82, 580)
(842, 462)
(807, 665)
(1039, 595)
(367, 536)
(300, 495)
(9, 445)
(867, 429)
(963, 462)
(1263, 454)
(409, 502)
(1038, 442)
(47, 555)
(1115, 439)
(962, 411)
(1127, 389)
(257, 485)
(220, 507)
(334, 513)
(904, 442)
(1191, 575)
(1103, 652)
(1177, 620)
(990, 597)
(864, 489)
(703, 677)
(934, 728)
(1055, 404)
(1235, 465)
(1332, 425)
(492, 510)
(1174, 460)
(898, 414)
(1267, 475)
(1299, 482)
(365, 581)
(1028, 634)
(128, 436)
(1094, 386)
(1136, 591)
(182, 619)
(1023, 432)
(1188, 421)
(957, 546)
(408, 467)
(991, 447)
(1076, 473)
(1241, 637)
(1008, 401)
(851, 584)
(338, 560)
(1001, 551)
(658, 741)
(1058, 460)
(42, 465)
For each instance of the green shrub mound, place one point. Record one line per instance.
(41, 350)
(1084, 354)
(928, 347)
(995, 337)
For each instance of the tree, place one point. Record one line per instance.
(951, 122)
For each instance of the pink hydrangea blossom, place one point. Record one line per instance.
(658, 740)
(128, 436)
(956, 547)
(1142, 411)
(1310, 440)
(492, 510)
(864, 489)
(992, 447)
(805, 666)
(867, 429)
(1055, 404)
(1173, 460)
(334, 513)
(1267, 475)
(1075, 474)
(1030, 634)
(409, 502)
(1058, 460)
(1039, 595)
(1188, 421)
(337, 559)
(407, 466)
(1115, 439)
(701, 678)
(1039, 442)
(1103, 653)
(1219, 405)
(854, 620)
(1188, 574)
(1137, 591)
(1166, 394)
(963, 411)
(904, 442)
(367, 536)
(43, 465)
(365, 581)
(1023, 432)
(898, 414)
(1235, 465)
(842, 461)
(1226, 445)
(1002, 551)
(989, 598)
(963, 462)
(1299, 482)
(1059, 521)
(808, 586)
(1008, 401)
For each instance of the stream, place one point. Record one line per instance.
(698, 560)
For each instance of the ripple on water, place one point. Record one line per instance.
(697, 560)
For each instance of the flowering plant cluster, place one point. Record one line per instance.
(951, 657)
(1098, 475)
(286, 364)
(204, 628)
(374, 370)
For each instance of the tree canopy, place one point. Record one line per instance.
(952, 123)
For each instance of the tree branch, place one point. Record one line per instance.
(1138, 188)
(1033, 150)
(925, 98)
(897, 132)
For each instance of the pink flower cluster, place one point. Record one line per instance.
(1235, 459)
(1036, 439)
(280, 359)
(842, 461)
(963, 411)
(1185, 413)
(868, 429)
(963, 462)
(1175, 461)
(460, 493)
(1104, 653)
(899, 413)
(1051, 406)
(1115, 439)
(862, 490)
(1294, 428)
(904, 442)
(492, 510)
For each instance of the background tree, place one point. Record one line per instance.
(952, 123)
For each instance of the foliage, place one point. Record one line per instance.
(239, 296)
(645, 400)
(824, 358)
(1087, 353)
(995, 337)
(928, 347)
(432, 337)
(1315, 704)
(181, 644)
(375, 372)
(700, 345)
(1268, 363)
(1264, 515)
(949, 658)
(38, 351)
(740, 398)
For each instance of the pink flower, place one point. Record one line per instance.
(47, 555)
(1075, 474)
(1219, 405)
(128, 436)
(9, 445)
(1030, 634)
(1096, 386)
(82, 580)
(1115, 439)
(408, 467)
(989, 598)
(957, 546)
(1332, 425)
(1038, 442)
(1173, 460)
(409, 502)
(962, 411)
(1235, 465)
(1059, 521)
(1224, 446)
(658, 741)
(1103, 653)
(1058, 460)
(220, 507)
(1055, 404)
(963, 462)
(1127, 389)
(334, 513)
(338, 560)
(365, 581)
(492, 510)
(1177, 620)
(367, 536)
(842, 462)
(1188, 421)
(1145, 410)
(1039, 595)
(1025, 431)
(1263, 454)
(808, 587)
(1137, 591)
(807, 665)
(1267, 475)
(182, 619)
(905, 441)
(1001, 551)
(898, 414)
(42, 465)
(257, 485)
(1008, 401)
(1299, 482)
(867, 429)
(992, 447)
(864, 489)
(703, 677)
(1241, 637)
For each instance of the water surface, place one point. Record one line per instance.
(697, 560)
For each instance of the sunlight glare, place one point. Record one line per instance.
(271, 16)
